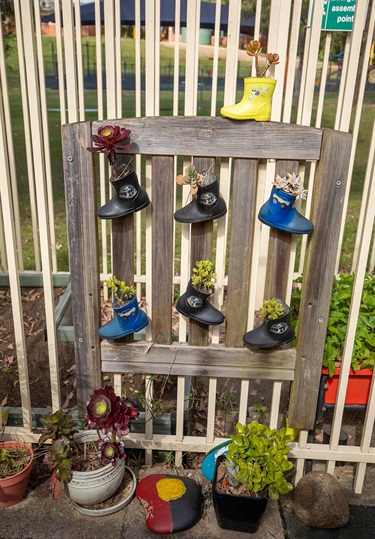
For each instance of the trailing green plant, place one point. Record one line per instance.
(122, 293)
(271, 309)
(257, 460)
(13, 459)
(107, 413)
(203, 276)
(364, 341)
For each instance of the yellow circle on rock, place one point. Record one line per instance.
(170, 489)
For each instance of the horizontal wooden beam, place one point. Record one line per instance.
(35, 280)
(201, 136)
(213, 361)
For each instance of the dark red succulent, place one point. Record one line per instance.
(109, 139)
(107, 412)
(111, 451)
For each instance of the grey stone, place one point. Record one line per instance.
(320, 502)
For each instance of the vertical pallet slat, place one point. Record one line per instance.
(81, 204)
(242, 223)
(162, 248)
(330, 182)
(200, 249)
(279, 249)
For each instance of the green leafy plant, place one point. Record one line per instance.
(259, 409)
(257, 461)
(203, 276)
(122, 293)
(106, 412)
(192, 178)
(254, 49)
(271, 309)
(13, 459)
(364, 342)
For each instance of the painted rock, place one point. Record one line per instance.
(172, 503)
(209, 461)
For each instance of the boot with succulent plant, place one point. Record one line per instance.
(276, 328)
(279, 211)
(129, 197)
(206, 204)
(128, 317)
(258, 91)
(194, 302)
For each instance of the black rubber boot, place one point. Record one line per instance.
(206, 205)
(129, 197)
(272, 332)
(194, 304)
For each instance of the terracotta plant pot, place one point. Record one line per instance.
(237, 513)
(358, 391)
(13, 488)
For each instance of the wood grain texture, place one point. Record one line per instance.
(201, 136)
(81, 205)
(162, 249)
(200, 249)
(240, 250)
(213, 361)
(279, 248)
(327, 207)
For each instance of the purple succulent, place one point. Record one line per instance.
(111, 451)
(109, 139)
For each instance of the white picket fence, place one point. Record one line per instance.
(285, 27)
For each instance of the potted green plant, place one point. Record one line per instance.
(194, 302)
(363, 356)
(16, 460)
(89, 464)
(206, 204)
(279, 211)
(276, 328)
(252, 471)
(258, 91)
(128, 317)
(129, 195)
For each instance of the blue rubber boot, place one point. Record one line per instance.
(128, 319)
(279, 212)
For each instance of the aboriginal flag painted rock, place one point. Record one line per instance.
(172, 503)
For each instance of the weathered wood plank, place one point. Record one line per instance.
(162, 249)
(327, 207)
(81, 205)
(279, 248)
(241, 244)
(213, 360)
(201, 136)
(200, 249)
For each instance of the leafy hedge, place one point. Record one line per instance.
(364, 345)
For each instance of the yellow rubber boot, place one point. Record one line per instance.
(256, 101)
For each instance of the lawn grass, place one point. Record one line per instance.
(166, 104)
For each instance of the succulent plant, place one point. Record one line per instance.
(254, 49)
(109, 139)
(291, 184)
(271, 309)
(106, 412)
(121, 292)
(257, 459)
(203, 276)
(192, 178)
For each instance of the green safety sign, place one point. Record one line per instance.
(338, 15)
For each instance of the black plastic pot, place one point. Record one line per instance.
(237, 513)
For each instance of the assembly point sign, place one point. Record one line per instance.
(338, 15)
